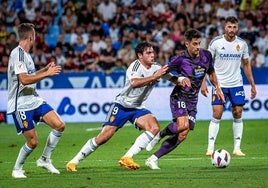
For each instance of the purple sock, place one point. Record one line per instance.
(167, 146)
(171, 129)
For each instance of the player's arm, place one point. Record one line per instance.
(139, 82)
(204, 87)
(49, 70)
(214, 81)
(248, 73)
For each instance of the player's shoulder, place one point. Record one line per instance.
(181, 55)
(239, 39)
(216, 39)
(205, 52)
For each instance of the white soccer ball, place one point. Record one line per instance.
(220, 158)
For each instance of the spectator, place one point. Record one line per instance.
(167, 44)
(59, 55)
(89, 59)
(119, 67)
(176, 33)
(127, 54)
(70, 65)
(65, 46)
(40, 23)
(3, 33)
(39, 57)
(114, 32)
(4, 64)
(84, 17)
(68, 21)
(169, 14)
(262, 41)
(49, 12)
(29, 9)
(79, 46)
(98, 44)
(256, 59)
(106, 10)
(225, 10)
(11, 42)
(250, 32)
(107, 56)
(79, 31)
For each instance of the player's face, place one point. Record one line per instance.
(32, 40)
(231, 29)
(193, 47)
(148, 56)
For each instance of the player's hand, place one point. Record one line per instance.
(204, 89)
(185, 82)
(253, 92)
(163, 70)
(219, 94)
(52, 69)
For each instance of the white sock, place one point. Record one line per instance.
(52, 140)
(238, 131)
(87, 149)
(141, 142)
(153, 158)
(213, 130)
(22, 156)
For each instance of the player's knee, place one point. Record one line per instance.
(237, 114)
(60, 127)
(154, 129)
(32, 143)
(182, 136)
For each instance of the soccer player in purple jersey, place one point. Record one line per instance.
(192, 65)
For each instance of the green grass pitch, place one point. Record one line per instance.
(186, 166)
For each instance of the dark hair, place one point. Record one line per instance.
(141, 47)
(231, 19)
(192, 33)
(24, 30)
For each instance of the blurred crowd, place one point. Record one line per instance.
(101, 35)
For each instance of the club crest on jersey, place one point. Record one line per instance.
(112, 118)
(25, 124)
(238, 48)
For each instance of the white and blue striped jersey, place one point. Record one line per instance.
(227, 60)
(135, 97)
(21, 97)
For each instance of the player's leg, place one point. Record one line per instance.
(51, 118)
(237, 98)
(170, 143)
(170, 129)
(24, 124)
(214, 126)
(91, 145)
(116, 118)
(237, 130)
(145, 122)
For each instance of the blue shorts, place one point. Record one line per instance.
(235, 95)
(25, 120)
(119, 115)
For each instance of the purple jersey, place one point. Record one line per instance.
(183, 100)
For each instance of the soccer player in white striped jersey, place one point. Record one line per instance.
(141, 76)
(230, 53)
(26, 106)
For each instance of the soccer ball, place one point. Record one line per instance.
(220, 158)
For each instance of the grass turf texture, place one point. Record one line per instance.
(186, 166)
